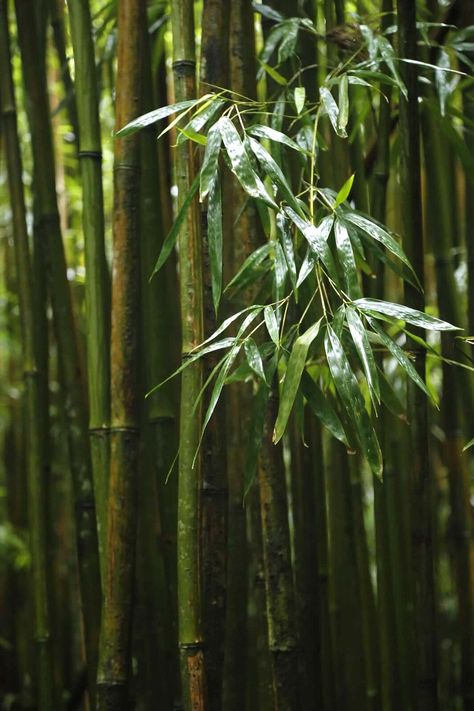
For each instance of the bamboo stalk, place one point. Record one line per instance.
(34, 71)
(214, 72)
(36, 485)
(56, 9)
(425, 659)
(190, 467)
(114, 655)
(97, 276)
(282, 639)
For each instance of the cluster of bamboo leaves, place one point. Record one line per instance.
(309, 323)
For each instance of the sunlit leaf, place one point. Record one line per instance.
(158, 115)
(346, 258)
(316, 238)
(364, 350)
(254, 359)
(405, 313)
(240, 162)
(271, 324)
(332, 110)
(344, 192)
(300, 98)
(210, 161)
(273, 135)
(214, 239)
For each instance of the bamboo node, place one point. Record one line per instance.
(97, 155)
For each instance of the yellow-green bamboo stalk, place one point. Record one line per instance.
(114, 655)
(36, 485)
(38, 111)
(97, 276)
(191, 290)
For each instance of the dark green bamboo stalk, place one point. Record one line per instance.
(440, 224)
(214, 72)
(190, 470)
(97, 276)
(114, 655)
(158, 669)
(425, 659)
(36, 485)
(56, 10)
(34, 72)
(282, 638)
(468, 106)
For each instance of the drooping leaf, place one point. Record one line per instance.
(332, 110)
(306, 268)
(240, 162)
(271, 324)
(172, 235)
(288, 44)
(351, 396)
(267, 12)
(274, 172)
(206, 113)
(405, 313)
(210, 161)
(300, 98)
(343, 104)
(377, 232)
(250, 264)
(322, 407)
(294, 369)
(400, 355)
(364, 350)
(214, 239)
(254, 359)
(287, 244)
(316, 238)
(346, 258)
(274, 74)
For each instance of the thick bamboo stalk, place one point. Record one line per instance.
(34, 73)
(282, 637)
(114, 656)
(36, 485)
(190, 470)
(97, 276)
(56, 9)
(425, 659)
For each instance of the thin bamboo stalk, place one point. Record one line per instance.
(282, 637)
(36, 486)
(114, 655)
(34, 71)
(425, 659)
(214, 72)
(56, 9)
(468, 106)
(97, 275)
(190, 467)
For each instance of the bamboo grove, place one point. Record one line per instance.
(236, 365)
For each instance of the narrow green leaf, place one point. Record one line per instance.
(287, 244)
(228, 321)
(299, 98)
(468, 445)
(344, 192)
(343, 117)
(294, 369)
(332, 110)
(378, 233)
(316, 238)
(322, 408)
(346, 258)
(250, 264)
(405, 313)
(349, 392)
(156, 115)
(240, 162)
(274, 172)
(172, 235)
(192, 136)
(400, 355)
(306, 268)
(272, 72)
(254, 359)
(267, 11)
(206, 113)
(259, 131)
(288, 44)
(271, 324)
(214, 239)
(210, 161)
(364, 350)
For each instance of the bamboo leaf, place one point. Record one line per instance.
(254, 359)
(343, 104)
(271, 324)
(322, 408)
(316, 238)
(210, 161)
(306, 267)
(205, 113)
(272, 72)
(346, 258)
(332, 110)
(172, 235)
(344, 192)
(214, 239)
(267, 12)
(400, 355)
(468, 445)
(349, 392)
(240, 162)
(250, 264)
(158, 115)
(299, 98)
(287, 244)
(405, 313)
(295, 367)
(364, 350)
(273, 135)
(274, 172)
(378, 233)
